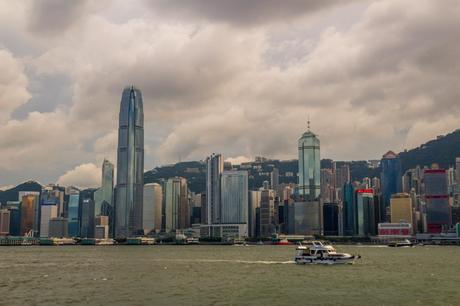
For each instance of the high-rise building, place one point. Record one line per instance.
(58, 227)
(54, 195)
(14, 208)
(101, 230)
(214, 169)
(73, 214)
(87, 218)
(4, 222)
(48, 212)
(391, 176)
(176, 204)
(234, 197)
(153, 199)
(349, 209)
(130, 165)
(331, 219)
(254, 205)
(327, 185)
(103, 197)
(365, 212)
(268, 213)
(275, 180)
(342, 175)
(436, 199)
(401, 208)
(309, 166)
(36, 194)
(28, 203)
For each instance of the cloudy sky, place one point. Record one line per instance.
(238, 77)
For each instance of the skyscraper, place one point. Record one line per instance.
(234, 197)
(130, 165)
(73, 214)
(153, 199)
(437, 200)
(309, 166)
(391, 176)
(215, 167)
(28, 203)
(176, 204)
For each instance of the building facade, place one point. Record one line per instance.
(130, 165)
(391, 176)
(309, 166)
(214, 169)
(176, 204)
(152, 210)
(234, 197)
(436, 199)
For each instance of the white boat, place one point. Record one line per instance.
(192, 240)
(317, 252)
(400, 244)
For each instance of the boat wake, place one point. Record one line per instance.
(264, 262)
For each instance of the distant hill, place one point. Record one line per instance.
(13, 193)
(442, 150)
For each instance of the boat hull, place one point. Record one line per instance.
(308, 260)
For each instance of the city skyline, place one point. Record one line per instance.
(214, 78)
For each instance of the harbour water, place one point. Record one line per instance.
(222, 275)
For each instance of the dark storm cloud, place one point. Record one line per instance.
(240, 12)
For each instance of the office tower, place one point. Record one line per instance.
(14, 208)
(234, 197)
(36, 194)
(450, 179)
(54, 195)
(153, 199)
(195, 208)
(4, 222)
(48, 212)
(254, 204)
(87, 218)
(342, 175)
(331, 219)
(391, 174)
(58, 227)
(73, 214)
(28, 203)
(436, 199)
(103, 197)
(365, 214)
(176, 204)
(375, 184)
(401, 208)
(327, 185)
(268, 217)
(275, 180)
(214, 169)
(349, 209)
(130, 165)
(305, 218)
(367, 183)
(101, 230)
(309, 166)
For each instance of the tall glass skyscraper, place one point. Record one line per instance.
(214, 169)
(73, 215)
(391, 177)
(234, 197)
(130, 165)
(309, 166)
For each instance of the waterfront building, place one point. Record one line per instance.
(153, 199)
(309, 166)
(58, 227)
(349, 209)
(176, 204)
(331, 219)
(214, 169)
(87, 218)
(54, 195)
(391, 173)
(436, 199)
(401, 208)
(305, 218)
(73, 215)
(196, 203)
(365, 214)
(101, 230)
(130, 165)
(253, 206)
(268, 213)
(14, 208)
(234, 197)
(4, 222)
(36, 195)
(28, 203)
(395, 230)
(48, 211)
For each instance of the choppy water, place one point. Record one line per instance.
(222, 275)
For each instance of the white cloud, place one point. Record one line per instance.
(84, 176)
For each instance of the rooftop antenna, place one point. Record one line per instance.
(308, 123)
